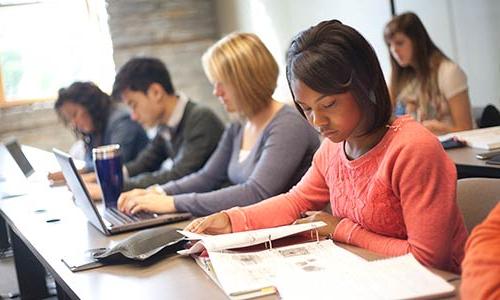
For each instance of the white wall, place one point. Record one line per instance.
(465, 30)
(278, 21)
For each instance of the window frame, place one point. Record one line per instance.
(4, 103)
(19, 102)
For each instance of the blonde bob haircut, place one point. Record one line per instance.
(242, 61)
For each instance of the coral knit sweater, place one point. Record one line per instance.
(397, 198)
(481, 265)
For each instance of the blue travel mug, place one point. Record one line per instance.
(108, 167)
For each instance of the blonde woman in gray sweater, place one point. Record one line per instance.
(262, 154)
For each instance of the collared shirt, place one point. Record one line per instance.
(166, 129)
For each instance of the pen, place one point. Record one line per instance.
(268, 290)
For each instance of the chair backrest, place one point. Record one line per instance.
(476, 197)
(489, 117)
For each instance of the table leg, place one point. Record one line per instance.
(30, 273)
(4, 238)
(61, 294)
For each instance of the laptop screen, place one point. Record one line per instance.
(83, 201)
(75, 184)
(15, 151)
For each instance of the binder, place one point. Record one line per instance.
(249, 272)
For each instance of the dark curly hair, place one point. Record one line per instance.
(139, 73)
(87, 94)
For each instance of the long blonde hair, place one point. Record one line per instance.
(244, 62)
(427, 57)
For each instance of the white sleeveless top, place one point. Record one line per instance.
(451, 80)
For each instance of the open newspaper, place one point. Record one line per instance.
(244, 238)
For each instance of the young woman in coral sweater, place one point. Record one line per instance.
(390, 184)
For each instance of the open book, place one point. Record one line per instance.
(303, 271)
(244, 238)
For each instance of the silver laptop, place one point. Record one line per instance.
(112, 220)
(13, 188)
(17, 154)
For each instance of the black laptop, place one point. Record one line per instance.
(112, 220)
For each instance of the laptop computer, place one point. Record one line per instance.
(12, 186)
(111, 221)
(17, 154)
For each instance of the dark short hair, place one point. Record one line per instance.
(139, 73)
(87, 94)
(333, 58)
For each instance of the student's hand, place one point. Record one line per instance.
(217, 223)
(89, 177)
(139, 200)
(55, 176)
(315, 216)
(436, 126)
(94, 191)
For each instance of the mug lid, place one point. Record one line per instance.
(106, 151)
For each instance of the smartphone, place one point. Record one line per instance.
(453, 143)
(487, 155)
(495, 160)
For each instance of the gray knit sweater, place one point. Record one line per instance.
(280, 157)
(194, 140)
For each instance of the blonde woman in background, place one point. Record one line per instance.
(424, 82)
(261, 155)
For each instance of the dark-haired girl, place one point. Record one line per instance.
(98, 121)
(390, 185)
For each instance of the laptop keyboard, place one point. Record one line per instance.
(126, 219)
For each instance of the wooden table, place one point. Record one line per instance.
(469, 166)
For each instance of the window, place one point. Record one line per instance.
(46, 45)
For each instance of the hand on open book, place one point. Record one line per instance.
(217, 223)
(142, 200)
(314, 216)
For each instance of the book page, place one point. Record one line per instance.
(238, 272)
(244, 238)
(405, 277)
(322, 270)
